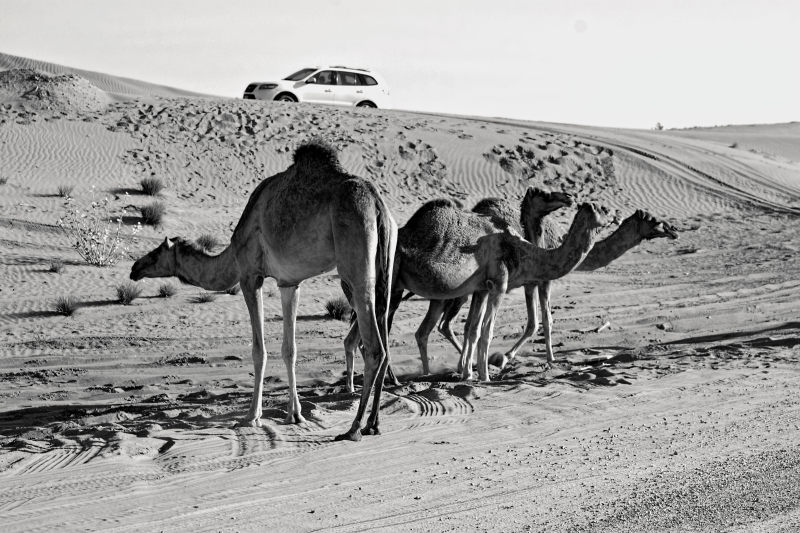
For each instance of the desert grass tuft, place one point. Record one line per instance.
(167, 290)
(151, 186)
(65, 191)
(127, 292)
(153, 213)
(207, 242)
(234, 290)
(338, 308)
(65, 305)
(204, 298)
(56, 266)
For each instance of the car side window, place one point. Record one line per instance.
(326, 77)
(348, 78)
(366, 80)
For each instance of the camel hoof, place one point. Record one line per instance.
(354, 436)
(249, 423)
(499, 360)
(371, 430)
(295, 418)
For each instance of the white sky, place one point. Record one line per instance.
(609, 63)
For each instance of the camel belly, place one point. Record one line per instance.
(438, 281)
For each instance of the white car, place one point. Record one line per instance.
(325, 85)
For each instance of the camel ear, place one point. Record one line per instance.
(169, 243)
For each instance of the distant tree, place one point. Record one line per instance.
(659, 126)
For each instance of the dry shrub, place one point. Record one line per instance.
(204, 298)
(167, 290)
(151, 186)
(338, 308)
(65, 191)
(153, 213)
(127, 292)
(234, 290)
(207, 242)
(95, 234)
(65, 305)
(56, 266)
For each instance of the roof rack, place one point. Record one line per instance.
(350, 68)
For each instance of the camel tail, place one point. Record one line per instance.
(384, 269)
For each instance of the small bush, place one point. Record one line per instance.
(95, 234)
(65, 305)
(204, 298)
(153, 214)
(207, 242)
(128, 292)
(152, 186)
(56, 266)
(234, 290)
(734, 145)
(167, 290)
(338, 308)
(65, 191)
(3, 180)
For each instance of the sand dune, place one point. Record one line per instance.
(683, 414)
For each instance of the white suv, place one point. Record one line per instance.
(325, 85)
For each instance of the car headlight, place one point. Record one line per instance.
(267, 85)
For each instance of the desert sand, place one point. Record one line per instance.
(682, 415)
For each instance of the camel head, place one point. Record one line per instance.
(650, 227)
(593, 215)
(544, 202)
(159, 263)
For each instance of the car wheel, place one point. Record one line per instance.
(285, 97)
(367, 104)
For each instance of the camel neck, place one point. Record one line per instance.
(540, 264)
(210, 272)
(612, 247)
(532, 226)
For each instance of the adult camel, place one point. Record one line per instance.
(297, 224)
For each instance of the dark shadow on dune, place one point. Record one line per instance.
(121, 191)
(302, 318)
(734, 334)
(32, 314)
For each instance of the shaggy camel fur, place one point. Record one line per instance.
(297, 224)
(506, 261)
(632, 231)
(435, 234)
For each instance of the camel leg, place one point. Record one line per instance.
(450, 312)
(251, 290)
(531, 325)
(372, 422)
(547, 319)
(374, 355)
(289, 352)
(396, 298)
(435, 310)
(474, 320)
(351, 342)
(487, 330)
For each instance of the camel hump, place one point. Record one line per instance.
(316, 155)
(489, 206)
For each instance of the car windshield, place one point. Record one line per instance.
(300, 74)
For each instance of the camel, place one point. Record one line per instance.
(445, 228)
(298, 224)
(507, 261)
(631, 232)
